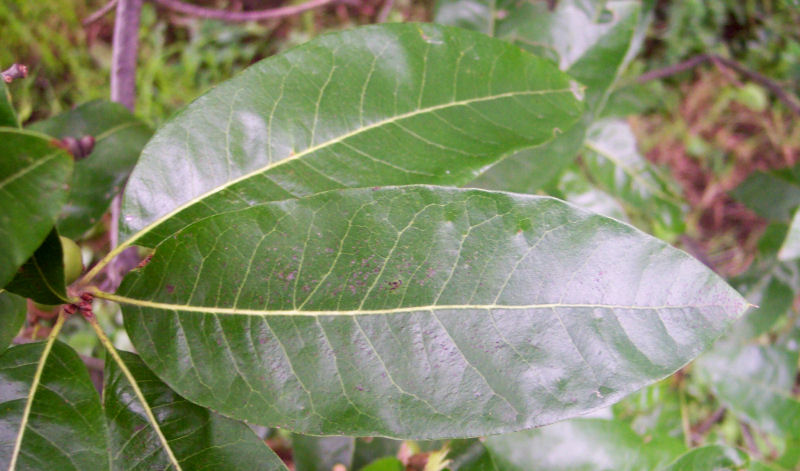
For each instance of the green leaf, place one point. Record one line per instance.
(756, 383)
(12, 317)
(379, 105)
(613, 163)
(33, 186)
(773, 195)
(790, 249)
(579, 444)
(321, 453)
(592, 40)
(198, 438)
(574, 187)
(531, 169)
(50, 413)
(8, 117)
(119, 138)
(385, 464)
(716, 457)
(41, 278)
(469, 312)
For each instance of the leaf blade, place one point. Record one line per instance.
(377, 96)
(407, 301)
(32, 166)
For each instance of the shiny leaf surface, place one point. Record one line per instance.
(756, 383)
(379, 105)
(470, 312)
(579, 444)
(50, 417)
(118, 139)
(198, 438)
(41, 278)
(12, 316)
(33, 186)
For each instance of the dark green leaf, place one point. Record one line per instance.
(579, 444)
(592, 40)
(12, 316)
(198, 438)
(756, 383)
(468, 312)
(321, 453)
(33, 186)
(41, 278)
(50, 413)
(773, 195)
(379, 105)
(713, 457)
(8, 117)
(614, 164)
(119, 138)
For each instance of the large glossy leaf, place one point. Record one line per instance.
(197, 437)
(592, 40)
(50, 413)
(34, 174)
(119, 138)
(12, 317)
(580, 444)
(614, 164)
(41, 278)
(418, 312)
(756, 383)
(388, 104)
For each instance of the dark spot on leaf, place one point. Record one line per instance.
(170, 289)
(393, 285)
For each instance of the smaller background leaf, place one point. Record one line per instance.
(8, 117)
(756, 383)
(773, 195)
(33, 186)
(321, 453)
(41, 278)
(716, 457)
(199, 438)
(119, 138)
(12, 316)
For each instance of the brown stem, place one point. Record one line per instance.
(16, 71)
(234, 16)
(747, 433)
(96, 16)
(124, 47)
(787, 98)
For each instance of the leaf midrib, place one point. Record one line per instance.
(357, 312)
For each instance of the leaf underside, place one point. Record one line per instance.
(419, 312)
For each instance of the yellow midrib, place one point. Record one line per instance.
(363, 312)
